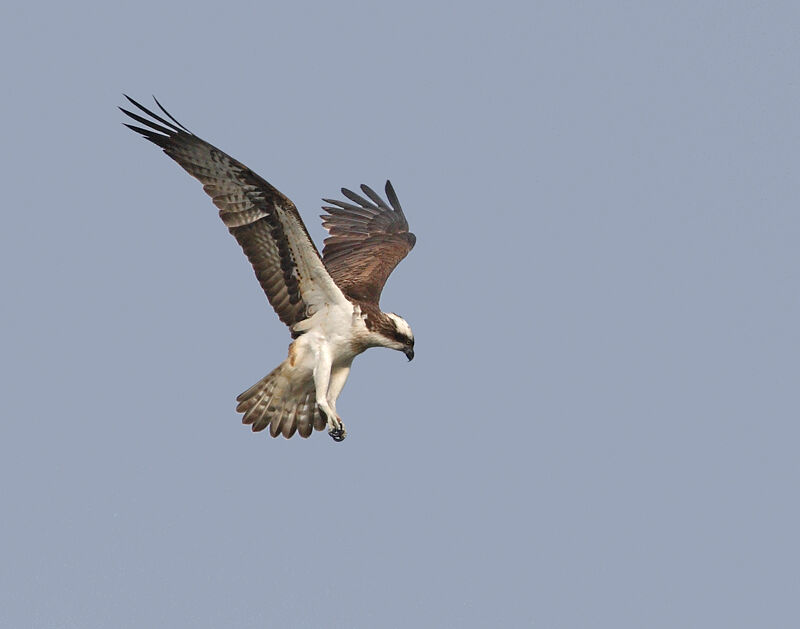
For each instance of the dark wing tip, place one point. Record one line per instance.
(171, 126)
(170, 116)
(375, 197)
(148, 134)
(392, 196)
(357, 198)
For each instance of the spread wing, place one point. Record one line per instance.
(366, 242)
(264, 221)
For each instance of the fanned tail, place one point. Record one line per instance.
(286, 409)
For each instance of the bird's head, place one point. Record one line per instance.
(399, 335)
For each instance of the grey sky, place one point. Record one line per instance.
(600, 426)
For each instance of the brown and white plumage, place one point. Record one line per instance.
(330, 303)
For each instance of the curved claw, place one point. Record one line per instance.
(336, 429)
(337, 434)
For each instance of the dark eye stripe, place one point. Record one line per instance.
(402, 338)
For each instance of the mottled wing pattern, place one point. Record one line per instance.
(368, 238)
(264, 222)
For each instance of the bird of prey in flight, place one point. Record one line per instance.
(329, 302)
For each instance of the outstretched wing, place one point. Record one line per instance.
(264, 221)
(366, 242)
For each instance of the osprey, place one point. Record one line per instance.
(330, 303)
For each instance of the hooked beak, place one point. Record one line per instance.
(409, 352)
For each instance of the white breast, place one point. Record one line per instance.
(334, 330)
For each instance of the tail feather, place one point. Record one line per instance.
(288, 426)
(304, 417)
(258, 387)
(320, 421)
(257, 415)
(285, 406)
(275, 426)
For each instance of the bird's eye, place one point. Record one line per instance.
(409, 342)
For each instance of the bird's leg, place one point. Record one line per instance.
(322, 378)
(337, 380)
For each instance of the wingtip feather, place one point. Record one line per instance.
(392, 196)
(171, 128)
(169, 115)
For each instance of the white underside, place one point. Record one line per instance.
(321, 357)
